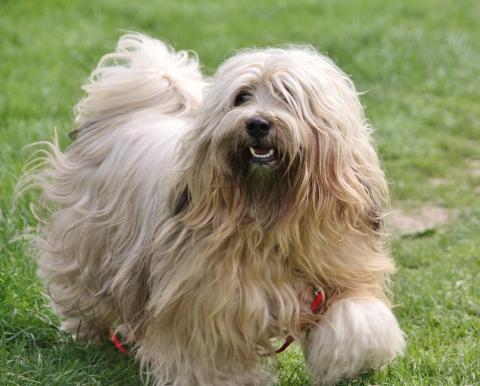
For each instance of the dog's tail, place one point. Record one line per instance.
(143, 73)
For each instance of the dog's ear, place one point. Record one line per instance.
(343, 164)
(378, 199)
(356, 194)
(363, 191)
(355, 191)
(181, 200)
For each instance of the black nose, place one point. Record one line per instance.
(258, 127)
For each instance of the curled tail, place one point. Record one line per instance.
(143, 73)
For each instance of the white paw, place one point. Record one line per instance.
(355, 335)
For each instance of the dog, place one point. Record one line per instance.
(202, 214)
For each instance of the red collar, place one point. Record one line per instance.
(315, 307)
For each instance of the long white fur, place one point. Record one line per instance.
(354, 334)
(202, 292)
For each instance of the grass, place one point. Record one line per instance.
(418, 62)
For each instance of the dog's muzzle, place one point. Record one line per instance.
(261, 152)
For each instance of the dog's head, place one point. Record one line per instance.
(282, 131)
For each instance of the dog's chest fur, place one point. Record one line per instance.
(238, 280)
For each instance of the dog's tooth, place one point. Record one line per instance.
(257, 155)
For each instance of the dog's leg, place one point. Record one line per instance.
(184, 372)
(72, 259)
(178, 365)
(85, 329)
(356, 334)
(85, 315)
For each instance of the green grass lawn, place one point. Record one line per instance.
(417, 61)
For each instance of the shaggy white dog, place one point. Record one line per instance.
(202, 215)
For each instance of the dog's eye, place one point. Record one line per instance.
(284, 94)
(242, 97)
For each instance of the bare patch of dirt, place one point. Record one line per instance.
(407, 222)
(439, 181)
(474, 168)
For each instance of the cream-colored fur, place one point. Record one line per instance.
(355, 334)
(161, 223)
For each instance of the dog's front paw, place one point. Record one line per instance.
(355, 335)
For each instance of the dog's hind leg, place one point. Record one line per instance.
(70, 266)
(73, 246)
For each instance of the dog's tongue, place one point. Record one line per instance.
(260, 151)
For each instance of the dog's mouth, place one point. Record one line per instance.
(262, 155)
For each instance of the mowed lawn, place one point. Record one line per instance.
(418, 63)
